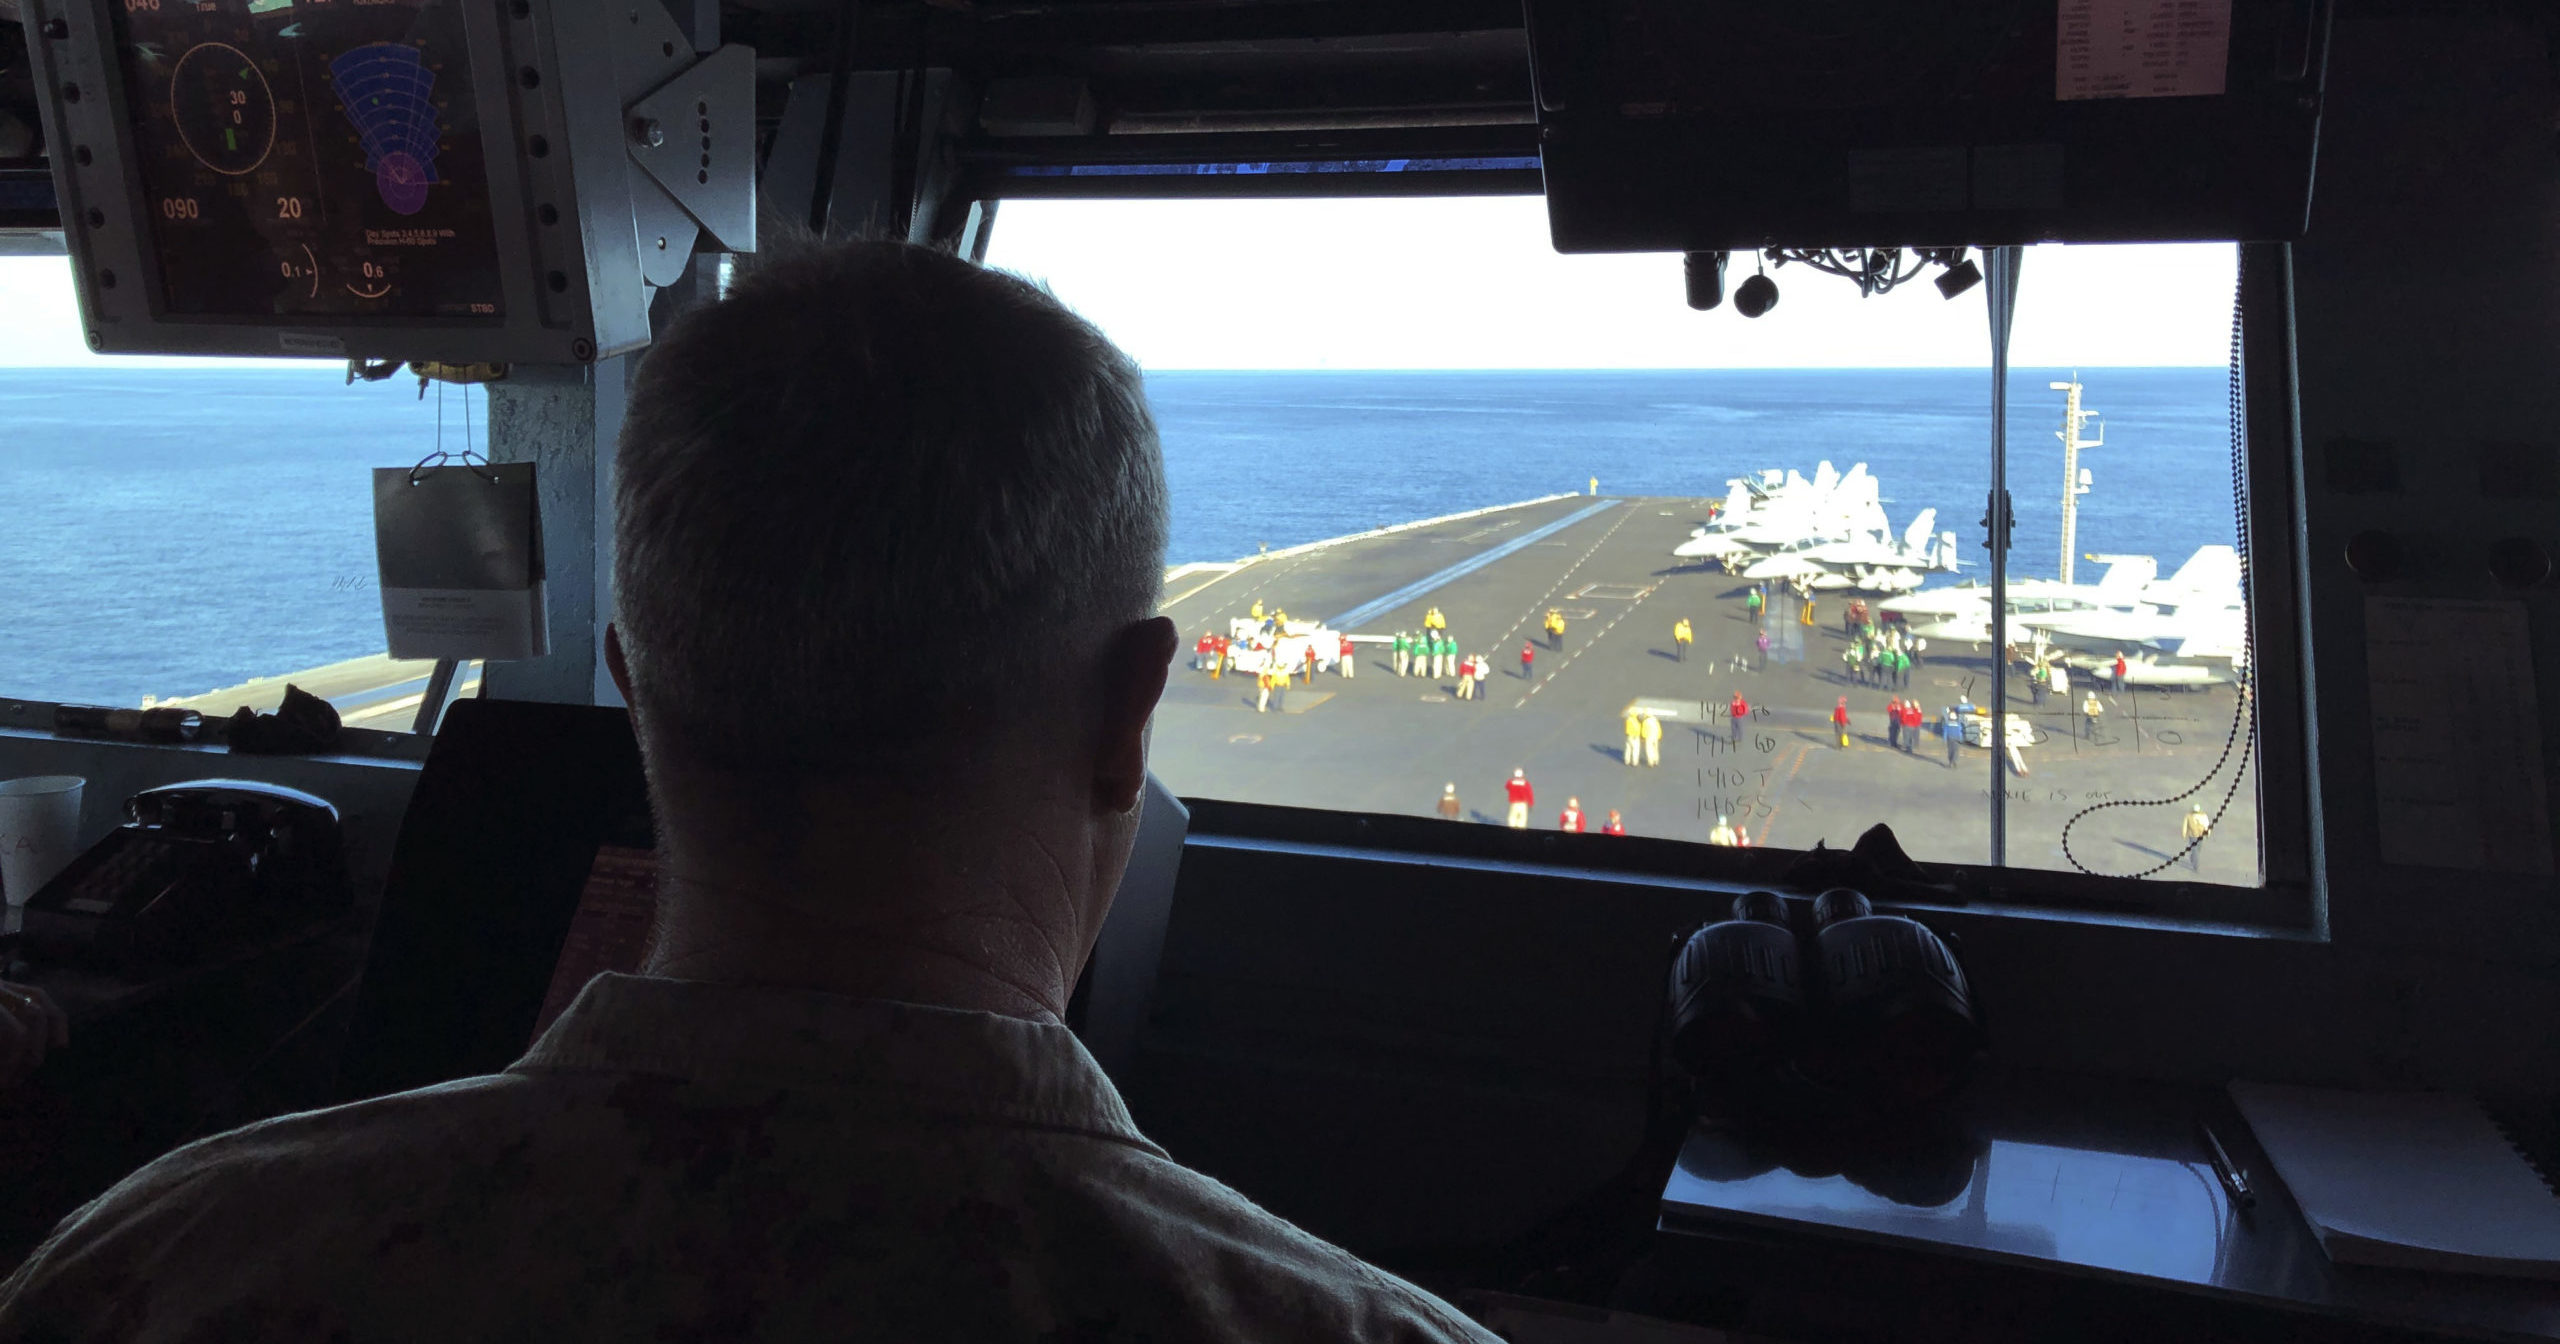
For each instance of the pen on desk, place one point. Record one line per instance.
(2225, 1168)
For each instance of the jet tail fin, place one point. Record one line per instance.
(2125, 577)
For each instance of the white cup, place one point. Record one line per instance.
(39, 826)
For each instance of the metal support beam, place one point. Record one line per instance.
(2002, 292)
(564, 419)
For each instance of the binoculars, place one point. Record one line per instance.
(1858, 1014)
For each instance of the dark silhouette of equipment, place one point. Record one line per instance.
(1755, 296)
(1856, 1014)
(1704, 274)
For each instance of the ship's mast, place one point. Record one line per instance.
(2072, 486)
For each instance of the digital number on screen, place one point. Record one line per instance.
(310, 157)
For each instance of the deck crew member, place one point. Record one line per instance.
(1754, 603)
(2193, 828)
(1652, 739)
(1840, 720)
(1555, 628)
(1528, 655)
(1522, 798)
(1404, 653)
(1681, 637)
(1910, 726)
(1760, 641)
(2118, 687)
(1571, 818)
(843, 1068)
(1449, 802)
(1740, 709)
(1951, 727)
(1614, 826)
(2090, 709)
(1262, 682)
(1635, 738)
(1723, 832)
(1346, 661)
(1893, 723)
(1256, 613)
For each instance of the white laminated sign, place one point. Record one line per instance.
(460, 551)
(2141, 48)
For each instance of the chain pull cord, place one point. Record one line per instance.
(2245, 711)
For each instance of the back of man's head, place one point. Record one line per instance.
(873, 496)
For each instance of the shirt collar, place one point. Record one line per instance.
(904, 1056)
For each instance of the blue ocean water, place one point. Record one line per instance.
(167, 531)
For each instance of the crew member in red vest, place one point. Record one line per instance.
(1345, 661)
(1840, 720)
(1741, 711)
(1203, 651)
(2119, 670)
(1522, 797)
(1615, 826)
(1572, 818)
(1528, 655)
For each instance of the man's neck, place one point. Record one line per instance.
(974, 962)
(902, 905)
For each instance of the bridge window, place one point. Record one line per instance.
(193, 531)
(1407, 427)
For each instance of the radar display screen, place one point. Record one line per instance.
(310, 158)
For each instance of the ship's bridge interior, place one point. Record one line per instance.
(1576, 418)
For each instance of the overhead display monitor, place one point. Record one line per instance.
(1683, 125)
(459, 180)
(320, 157)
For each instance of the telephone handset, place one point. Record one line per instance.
(194, 863)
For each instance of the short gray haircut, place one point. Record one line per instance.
(872, 492)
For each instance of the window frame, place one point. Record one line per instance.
(2289, 898)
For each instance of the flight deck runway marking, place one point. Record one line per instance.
(1587, 645)
(1370, 611)
(1567, 577)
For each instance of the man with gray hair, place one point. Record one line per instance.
(838, 1101)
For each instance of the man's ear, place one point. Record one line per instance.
(613, 661)
(1132, 676)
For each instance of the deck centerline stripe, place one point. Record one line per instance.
(1369, 611)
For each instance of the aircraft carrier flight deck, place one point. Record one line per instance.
(1377, 742)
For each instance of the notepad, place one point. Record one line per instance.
(2409, 1180)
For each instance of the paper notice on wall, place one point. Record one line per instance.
(2457, 743)
(2141, 48)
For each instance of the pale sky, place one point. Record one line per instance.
(1473, 283)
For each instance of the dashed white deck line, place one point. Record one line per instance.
(1586, 648)
(1504, 639)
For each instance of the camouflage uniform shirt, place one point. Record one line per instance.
(680, 1160)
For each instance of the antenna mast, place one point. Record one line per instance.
(2073, 486)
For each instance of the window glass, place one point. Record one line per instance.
(1409, 430)
(197, 531)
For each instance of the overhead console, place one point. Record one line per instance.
(418, 179)
(1698, 125)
